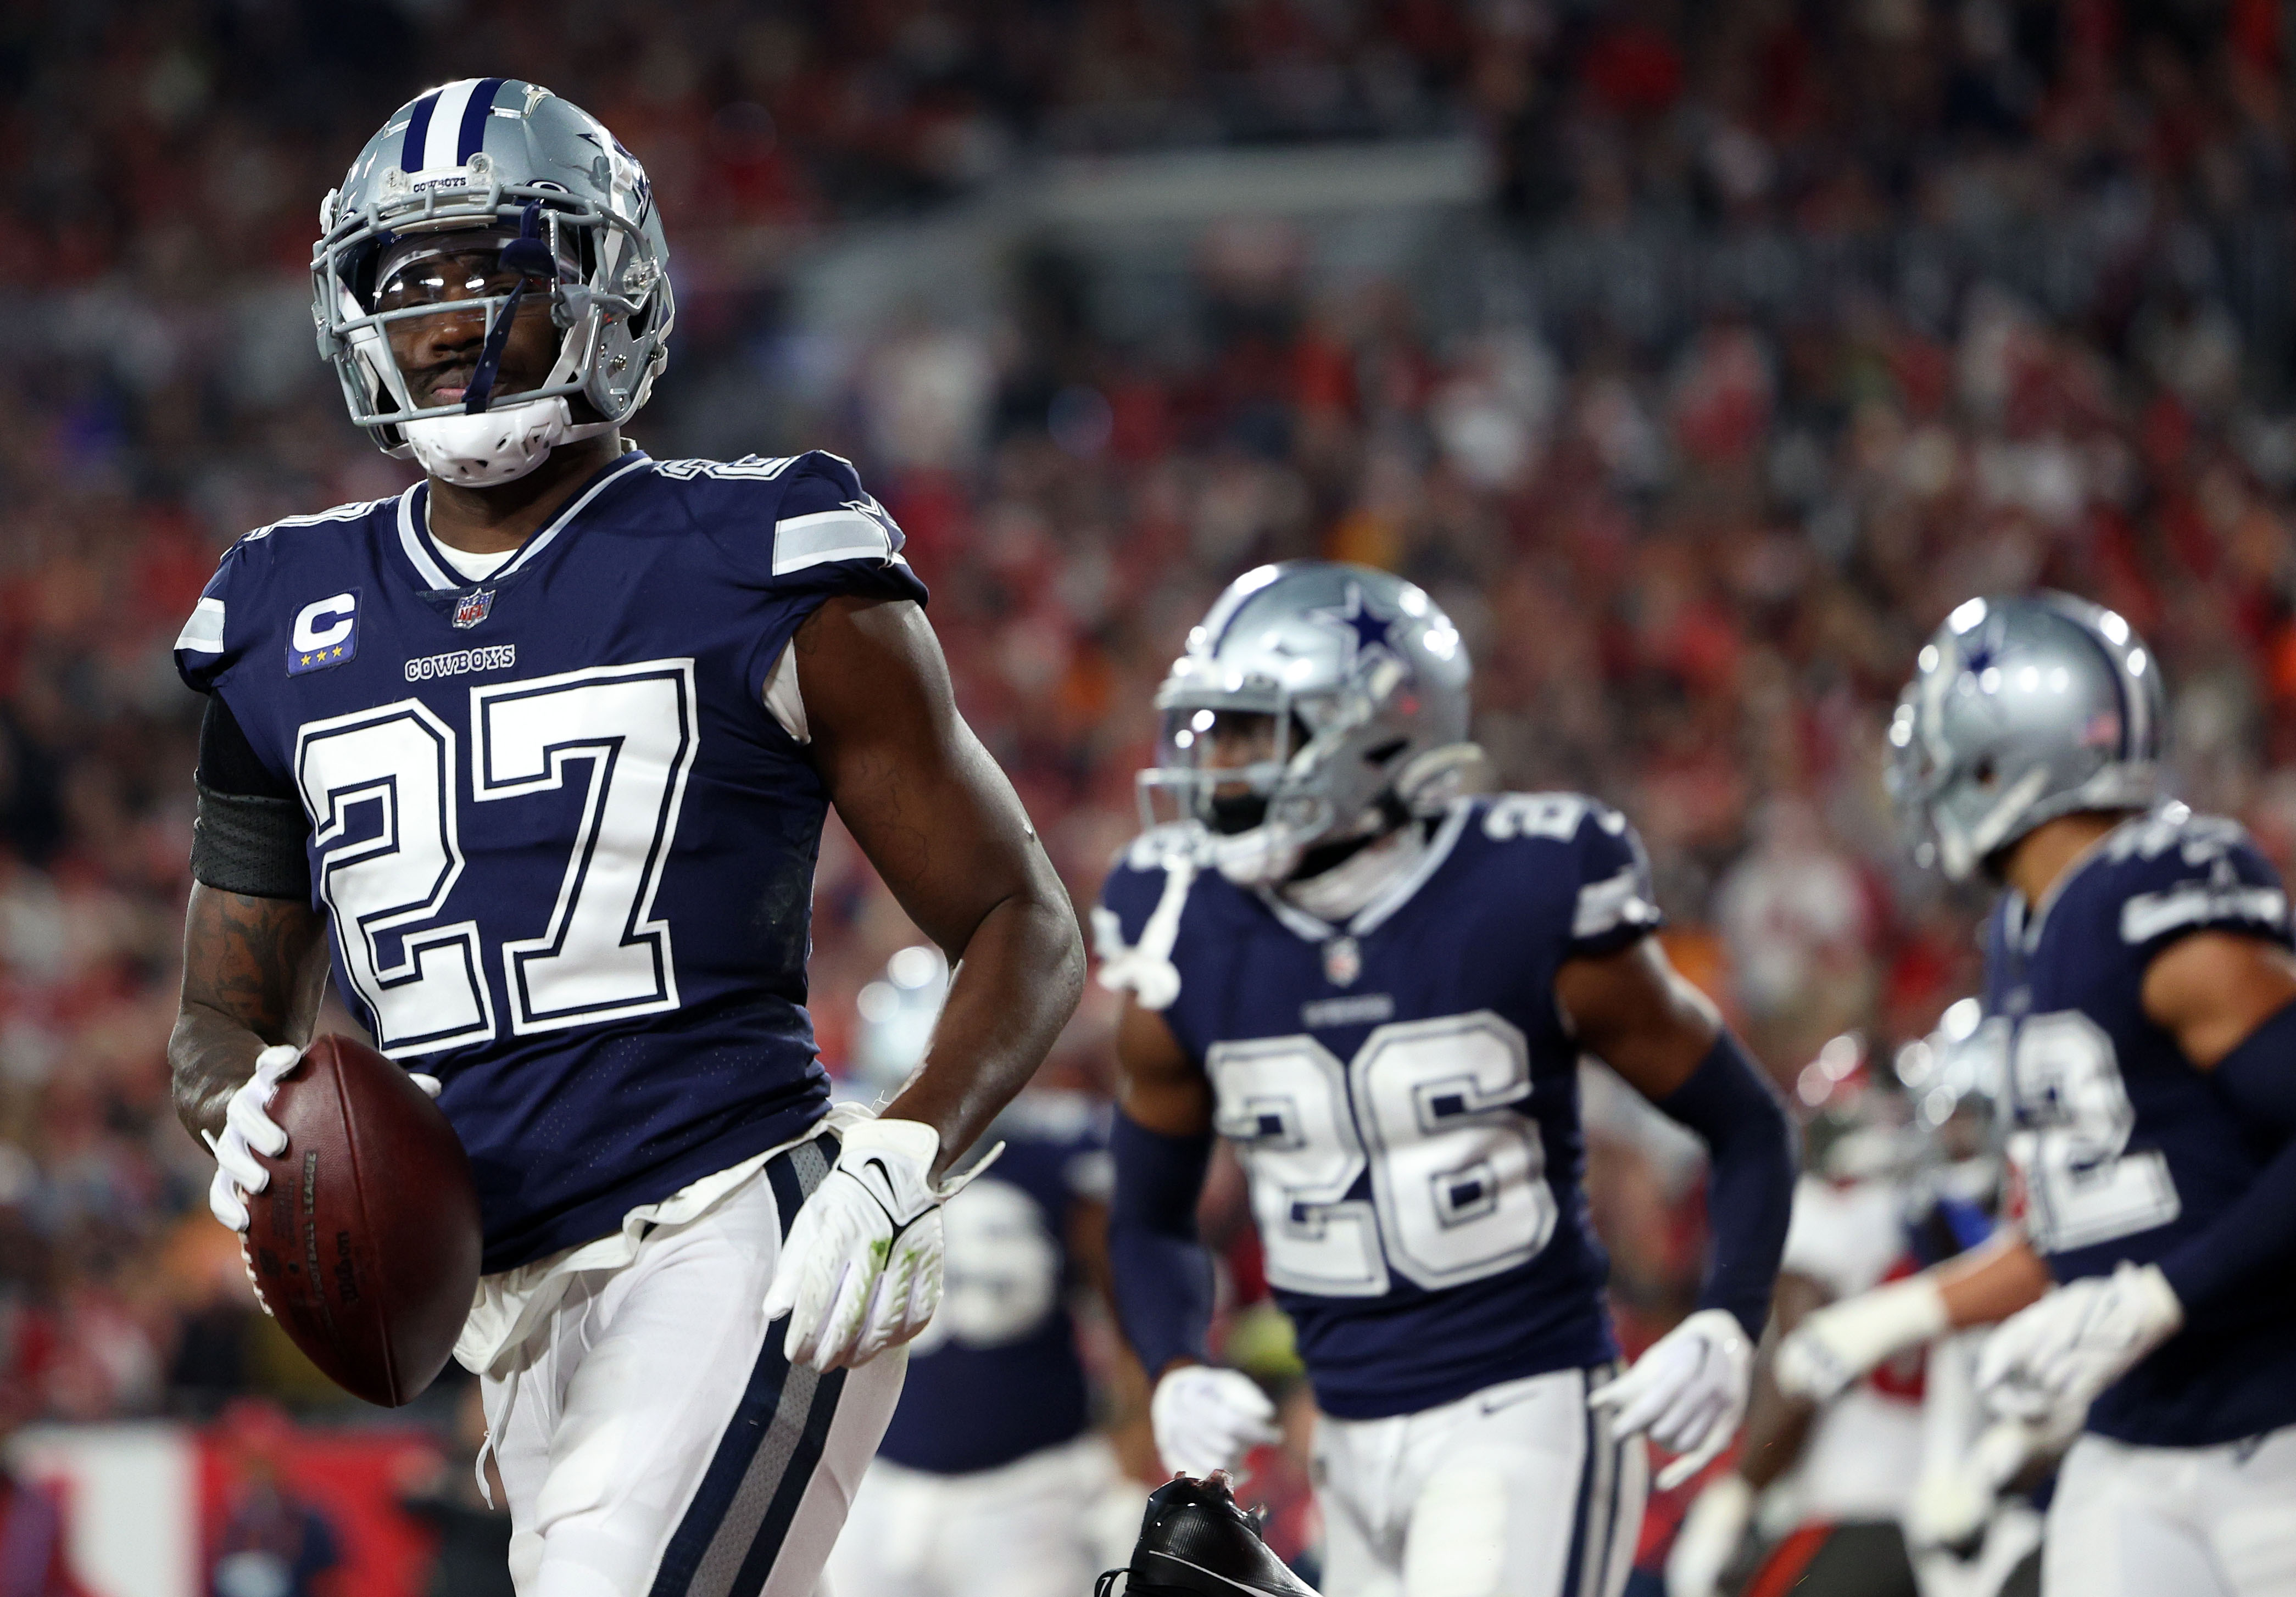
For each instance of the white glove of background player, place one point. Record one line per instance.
(1206, 1419)
(1688, 1390)
(860, 1269)
(1953, 1498)
(1840, 1343)
(248, 1130)
(1709, 1536)
(2049, 1361)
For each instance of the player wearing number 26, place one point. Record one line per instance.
(2141, 1008)
(540, 751)
(1377, 988)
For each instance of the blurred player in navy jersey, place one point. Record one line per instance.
(991, 1476)
(542, 747)
(2141, 991)
(1836, 1492)
(1378, 989)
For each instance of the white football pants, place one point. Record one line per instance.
(1034, 1528)
(1517, 1491)
(653, 1440)
(2130, 1521)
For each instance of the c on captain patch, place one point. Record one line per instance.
(325, 633)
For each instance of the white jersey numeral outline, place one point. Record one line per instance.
(399, 758)
(2082, 1185)
(1431, 1107)
(601, 955)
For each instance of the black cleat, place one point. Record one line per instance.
(1195, 1542)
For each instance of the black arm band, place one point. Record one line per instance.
(249, 832)
(242, 844)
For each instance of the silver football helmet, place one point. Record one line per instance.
(572, 214)
(2023, 710)
(1364, 681)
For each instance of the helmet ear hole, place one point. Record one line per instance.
(1985, 772)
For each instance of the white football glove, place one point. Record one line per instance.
(248, 1130)
(1206, 1419)
(1688, 1390)
(1840, 1343)
(1953, 1499)
(1709, 1536)
(2051, 1360)
(860, 1270)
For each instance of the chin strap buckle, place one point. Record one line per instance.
(528, 256)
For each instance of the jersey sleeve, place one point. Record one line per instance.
(1127, 898)
(2177, 876)
(221, 626)
(829, 538)
(1616, 905)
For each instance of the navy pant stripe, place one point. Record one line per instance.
(1576, 1559)
(472, 135)
(769, 1450)
(418, 129)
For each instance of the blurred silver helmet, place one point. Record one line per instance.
(1367, 682)
(897, 1012)
(574, 215)
(2023, 710)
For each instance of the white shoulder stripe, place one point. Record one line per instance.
(1603, 906)
(802, 541)
(2147, 915)
(204, 633)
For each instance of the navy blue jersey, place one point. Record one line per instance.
(2121, 1148)
(565, 852)
(1403, 1093)
(997, 1375)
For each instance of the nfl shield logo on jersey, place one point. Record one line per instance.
(1342, 962)
(471, 608)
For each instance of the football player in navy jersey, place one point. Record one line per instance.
(2141, 994)
(541, 749)
(991, 1476)
(1378, 990)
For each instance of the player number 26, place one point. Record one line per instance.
(1458, 1188)
(385, 786)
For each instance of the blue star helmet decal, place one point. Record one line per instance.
(1370, 629)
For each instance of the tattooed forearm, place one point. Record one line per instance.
(254, 969)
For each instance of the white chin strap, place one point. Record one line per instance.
(1260, 857)
(501, 445)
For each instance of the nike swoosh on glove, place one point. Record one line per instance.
(249, 1129)
(1840, 1343)
(860, 1270)
(1206, 1419)
(2051, 1360)
(1688, 1390)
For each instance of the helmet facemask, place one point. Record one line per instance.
(1273, 778)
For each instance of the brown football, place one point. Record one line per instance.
(366, 1244)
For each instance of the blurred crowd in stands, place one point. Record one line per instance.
(1802, 322)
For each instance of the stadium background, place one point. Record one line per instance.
(1697, 357)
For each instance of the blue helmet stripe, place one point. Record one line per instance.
(475, 112)
(418, 129)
